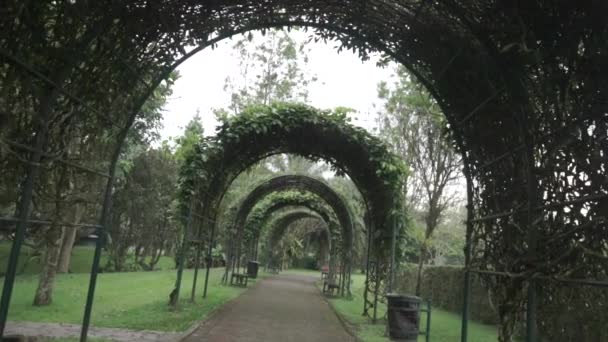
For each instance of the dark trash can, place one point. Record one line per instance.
(403, 317)
(252, 269)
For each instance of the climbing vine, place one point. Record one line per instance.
(261, 131)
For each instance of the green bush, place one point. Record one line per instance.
(443, 285)
(565, 313)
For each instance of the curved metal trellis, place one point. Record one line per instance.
(302, 182)
(525, 101)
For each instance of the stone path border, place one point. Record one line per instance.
(55, 330)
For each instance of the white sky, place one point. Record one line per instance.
(344, 80)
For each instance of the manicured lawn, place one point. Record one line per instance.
(445, 326)
(82, 258)
(136, 300)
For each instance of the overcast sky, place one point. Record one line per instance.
(344, 80)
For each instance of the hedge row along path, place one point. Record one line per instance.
(277, 309)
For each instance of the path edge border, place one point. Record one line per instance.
(348, 326)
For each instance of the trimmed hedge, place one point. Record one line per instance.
(565, 313)
(443, 285)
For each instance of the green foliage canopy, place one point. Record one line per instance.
(261, 131)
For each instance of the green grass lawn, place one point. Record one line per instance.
(82, 258)
(136, 300)
(445, 326)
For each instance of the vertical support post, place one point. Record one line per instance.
(197, 260)
(101, 230)
(464, 332)
(367, 266)
(99, 243)
(23, 215)
(532, 232)
(376, 290)
(428, 321)
(208, 259)
(531, 327)
(391, 276)
(24, 206)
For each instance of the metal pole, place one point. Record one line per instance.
(23, 215)
(376, 290)
(23, 208)
(464, 332)
(367, 266)
(208, 260)
(428, 321)
(391, 276)
(532, 236)
(197, 260)
(531, 327)
(101, 230)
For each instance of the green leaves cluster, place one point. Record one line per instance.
(259, 217)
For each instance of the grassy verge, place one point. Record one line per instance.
(136, 300)
(82, 258)
(445, 326)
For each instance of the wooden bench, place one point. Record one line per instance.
(329, 287)
(241, 279)
(324, 272)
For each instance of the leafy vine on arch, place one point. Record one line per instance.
(281, 128)
(305, 184)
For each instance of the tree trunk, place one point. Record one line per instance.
(44, 293)
(420, 265)
(52, 238)
(67, 243)
(154, 258)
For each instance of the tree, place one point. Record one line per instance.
(413, 123)
(271, 69)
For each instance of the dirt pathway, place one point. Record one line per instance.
(283, 308)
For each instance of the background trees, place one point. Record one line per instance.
(412, 122)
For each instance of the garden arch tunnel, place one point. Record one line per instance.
(282, 198)
(211, 167)
(299, 182)
(279, 208)
(527, 112)
(280, 225)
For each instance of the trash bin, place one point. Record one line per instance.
(403, 317)
(252, 269)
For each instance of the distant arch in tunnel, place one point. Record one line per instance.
(303, 183)
(279, 226)
(275, 202)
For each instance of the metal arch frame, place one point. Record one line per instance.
(296, 202)
(326, 216)
(32, 176)
(280, 224)
(312, 185)
(279, 206)
(298, 182)
(138, 103)
(326, 226)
